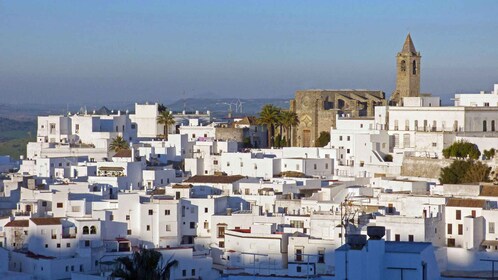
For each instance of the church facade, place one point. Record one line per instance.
(317, 109)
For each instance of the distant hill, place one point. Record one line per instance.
(14, 135)
(220, 106)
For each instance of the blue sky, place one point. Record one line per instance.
(103, 51)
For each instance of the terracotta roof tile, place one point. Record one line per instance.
(214, 179)
(46, 221)
(489, 190)
(123, 153)
(460, 202)
(18, 223)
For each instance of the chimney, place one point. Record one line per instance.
(356, 241)
(375, 232)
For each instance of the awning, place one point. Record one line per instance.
(489, 243)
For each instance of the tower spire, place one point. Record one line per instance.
(408, 47)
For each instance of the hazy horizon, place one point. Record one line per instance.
(104, 51)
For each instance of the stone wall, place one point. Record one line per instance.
(423, 167)
(229, 133)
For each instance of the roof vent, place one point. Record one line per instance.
(356, 241)
(376, 232)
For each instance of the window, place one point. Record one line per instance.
(87, 243)
(473, 213)
(215, 162)
(111, 217)
(395, 124)
(193, 272)
(93, 230)
(167, 212)
(68, 245)
(458, 214)
(396, 140)
(407, 125)
(397, 237)
(299, 255)
(314, 166)
(321, 255)
(349, 138)
(449, 229)
(206, 225)
(44, 203)
(127, 217)
(414, 67)
(434, 144)
(460, 229)
(416, 125)
(402, 66)
(228, 163)
(151, 212)
(86, 230)
(59, 204)
(128, 232)
(221, 232)
(206, 210)
(46, 245)
(484, 125)
(340, 138)
(410, 238)
(326, 166)
(192, 224)
(148, 227)
(58, 245)
(298, 268)
(492, 125)
(348, 151)
(241, 164)
(184, 272)
(486, 104)
(168, 227)
(491, 227)
(221, 244)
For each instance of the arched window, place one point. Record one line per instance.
(414, 67)
(484, 126)
(85, 230)
(93, 230)
(403, 66)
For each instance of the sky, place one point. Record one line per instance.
(93, 52)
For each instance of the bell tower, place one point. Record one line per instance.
(407, 73)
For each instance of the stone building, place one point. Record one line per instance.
(407, 73)
(317, 110)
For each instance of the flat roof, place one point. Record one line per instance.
(406, 247)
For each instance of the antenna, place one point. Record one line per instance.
(184, 102)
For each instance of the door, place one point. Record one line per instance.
(306, 138)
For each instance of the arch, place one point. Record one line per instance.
(86, 230)
(402, 66)
(414, 67)
(93, 230)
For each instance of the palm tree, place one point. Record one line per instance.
(269, 117)
(289, 119)
(143, 264)
(118, 144)
(166, 119)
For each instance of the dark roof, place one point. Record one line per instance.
(461, 202)
(248, 121)
(408, 47)
(46, 221)
(18, 223)
(111, 168)
(123, 153)
(488, 190)
(214, 179)
(103, 111)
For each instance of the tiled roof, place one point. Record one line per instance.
(18, 223)
(461, 202)
(248, 121)
(214, 179)
(181, 186)
(488, 190)
(123, 153)
(46, 221)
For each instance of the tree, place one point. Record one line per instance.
(161, 108)
(462, 150)
(166, 119)
(465, 171)
(269, 117)
(323, 139)
(289, 120)
(489, 154)
(143, 264)
(118, 144)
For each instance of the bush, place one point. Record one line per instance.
(323, 139)
(461, 150)
(464, 171)
(489, 154)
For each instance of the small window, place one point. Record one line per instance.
(128, 232)
(397, 237)
(58, 245)
(193, 272)
(460, 229)
(192, 224)
(458, 214)
(206, 210)
(44, 204)
(349, 138)
(298, 268)
(148, 228)
(184, 272)
(168, 227)
(491, 227)
(151, 212)
(59, 204)
(410, 238)
(127, 217)
(68, 245)
(167, 212)
(449, 229)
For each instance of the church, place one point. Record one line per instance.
(317, 109)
